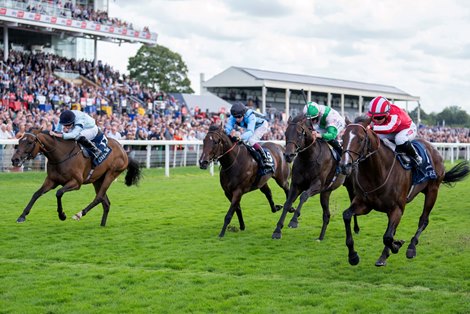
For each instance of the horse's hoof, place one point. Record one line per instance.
(293, 224)
(396, 245)
(380, 263)
(276, 235)
(62, 217)
(356, 231)
(232, 229)
(20, 220)
(411, 253)
(291, 210)
(277, 208)
(354, 259)
(77, 216)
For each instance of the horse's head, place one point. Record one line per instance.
(28, 147)
(356, 143)
(299, 136)
(213, 145)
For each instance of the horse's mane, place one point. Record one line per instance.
(214, 127)
(361, 118)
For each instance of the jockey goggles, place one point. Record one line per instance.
(379, 118)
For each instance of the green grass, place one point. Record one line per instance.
(160, 253)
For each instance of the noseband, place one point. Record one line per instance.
(220, 147)
(365, 150)
(298, 148)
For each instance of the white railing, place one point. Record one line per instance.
(171, 154)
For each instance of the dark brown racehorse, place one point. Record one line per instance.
(68, 167)
(313, 172)
(238, 173)
(381, 183)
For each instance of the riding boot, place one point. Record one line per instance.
(264, 158)
(336, 146)
(409, 149)
(89, 145)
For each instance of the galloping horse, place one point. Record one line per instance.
(381, 183)
(239, 171)
(68, 167)
(313, 172)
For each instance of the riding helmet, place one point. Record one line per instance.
(238, 110)
(311, 110)
(379, 106)
(67, 117)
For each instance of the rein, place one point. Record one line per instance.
(298, 149)
(362, 158)
(226, 152)
(45, 151)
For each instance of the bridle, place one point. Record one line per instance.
(305, 130)
(366, 146)
(43, 149)
(220, 147)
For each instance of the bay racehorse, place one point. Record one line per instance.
(314, 171)
(67, 166)
(382, 184)
(239, 171)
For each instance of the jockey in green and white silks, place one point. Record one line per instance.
(326, 121)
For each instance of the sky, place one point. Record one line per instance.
(421, 47)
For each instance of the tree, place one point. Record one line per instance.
(453, 116)
(161, 69)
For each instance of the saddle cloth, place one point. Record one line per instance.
(101, 142)
(424, 172)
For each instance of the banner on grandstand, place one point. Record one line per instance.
(77, 25)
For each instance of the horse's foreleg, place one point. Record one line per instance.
(269, 196)
(46, 187)
(69, 186)
(227, 219)
(325, 205)
(312, 190)
(352, 255)
(291, 197)
(429, 201)
(241, 222)
(393, 220)
(382, 261)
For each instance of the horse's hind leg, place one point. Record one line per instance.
(101, 186)
(46, 187)
(269, 196)
(429, 201)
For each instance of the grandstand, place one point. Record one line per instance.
(282, 92)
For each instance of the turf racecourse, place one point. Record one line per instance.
(160, 253)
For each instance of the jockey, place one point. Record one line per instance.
(255, 127)
(392, 122)
(77, 125)
(327, 122)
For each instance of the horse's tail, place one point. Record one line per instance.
(457, 173)
(134, 173)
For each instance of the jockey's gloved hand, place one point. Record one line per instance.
(235, 139)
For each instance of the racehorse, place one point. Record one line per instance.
(313, 172)
(239, 171)
(67, 166)
(381, 183)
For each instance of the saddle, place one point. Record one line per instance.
(263, 168)
(101, 142)
(421, 174)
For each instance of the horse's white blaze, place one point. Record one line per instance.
(347, 157)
